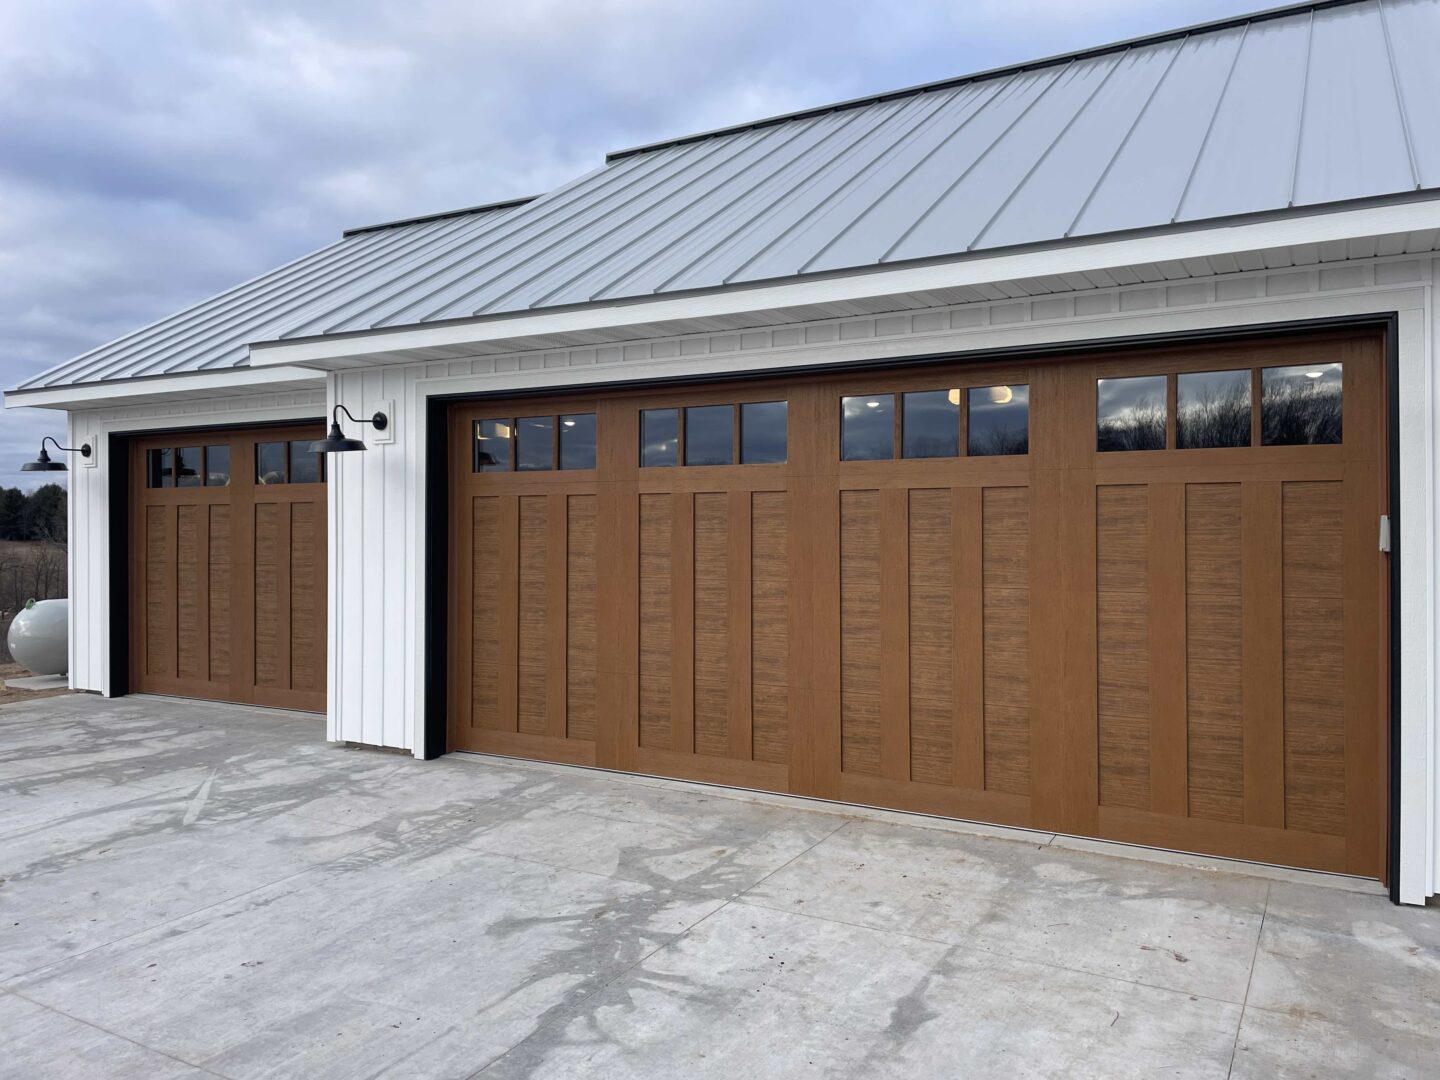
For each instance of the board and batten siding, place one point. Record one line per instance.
(378, 498)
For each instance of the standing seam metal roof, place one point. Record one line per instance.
(1305, 106)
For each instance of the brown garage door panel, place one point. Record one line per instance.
(228, 574)
(1181, 647)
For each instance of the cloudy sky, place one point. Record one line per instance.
(154, 152)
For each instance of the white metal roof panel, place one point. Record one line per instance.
(1300, 107)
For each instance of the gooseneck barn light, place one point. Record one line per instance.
(43, 462)
(336, 442)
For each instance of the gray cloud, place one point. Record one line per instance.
(153, 152)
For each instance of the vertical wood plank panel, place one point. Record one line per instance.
(557, 590)
(895, 634)
(506, 614)
(682, 620)
(1262, 645)
(1168, 721)
(739, 578)
(969, 638)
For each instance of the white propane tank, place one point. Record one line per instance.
(39, 638)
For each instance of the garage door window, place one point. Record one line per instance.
(535, 443)
(160, 468)
(577, 441)
(930, 424)
(867, 427)
(999, 420)
(1300, 405)
(933, 423)
(287, 463)
(492, 445)
(1212, 408)
(710, 435)
(764, 436)
(659, 438)
(217, 466)
(1131, 413)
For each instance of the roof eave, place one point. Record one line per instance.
(1396, 214)
(229, 382)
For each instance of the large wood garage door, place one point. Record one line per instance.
(1136, 596)
(228, 566)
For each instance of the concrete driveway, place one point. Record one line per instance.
(205, 890)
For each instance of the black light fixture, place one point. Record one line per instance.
(43, 462)
(336, 442)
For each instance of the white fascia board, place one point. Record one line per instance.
(381, 346)
(166, 387)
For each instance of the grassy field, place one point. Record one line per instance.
(28, 570)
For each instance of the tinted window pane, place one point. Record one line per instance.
(763, 435)
(867, 427)
(270, 463)
(999, 420)
(1131, 413)
(1212, 408)
(710, 435)
(217, 466)
(304, 466)
(159, 469)
(187, 466)
(577, 441)
(492, 445)
(659, 437)
(930, 424)
(534, 443)
(1300, 405)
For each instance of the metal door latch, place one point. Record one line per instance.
(1385, 533)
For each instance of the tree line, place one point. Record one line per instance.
(34, 515)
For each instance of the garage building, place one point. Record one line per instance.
(1035, 447)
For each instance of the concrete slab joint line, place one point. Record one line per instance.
(213, 891)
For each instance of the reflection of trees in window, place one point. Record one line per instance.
(1214, 418)
(1298, 413)
(1139, 427)
(1000, 440)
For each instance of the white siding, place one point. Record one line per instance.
(90, 504)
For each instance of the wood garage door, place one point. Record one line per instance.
(228, 566)
(1136, 596)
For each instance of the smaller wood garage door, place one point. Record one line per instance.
(228, 566)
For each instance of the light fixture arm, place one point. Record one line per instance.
(83, 449)
(379, 420)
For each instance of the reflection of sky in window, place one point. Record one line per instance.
(1326, 377)
(1301, 405)
(1120, 399)
(492, 446)
(763, 435)
(867, 427)
(930, 424)
(1130, 413)
(710, 435)
(999, 420)
(659, 437)
(534, 443)
(577, 441)
(1212, 408)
